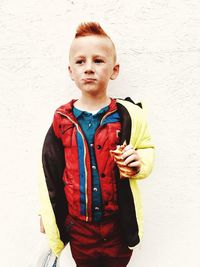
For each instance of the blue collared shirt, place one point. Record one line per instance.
(89, 124)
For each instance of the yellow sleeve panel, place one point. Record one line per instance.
(138, 205)
(48, 217)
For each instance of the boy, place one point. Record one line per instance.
(84, 200)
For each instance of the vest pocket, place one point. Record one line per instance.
(113, 134)
(67, 131)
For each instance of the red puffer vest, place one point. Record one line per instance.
(77, 174)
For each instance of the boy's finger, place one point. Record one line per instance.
(130, 159)
(128, 153)
(136, 164)
(42, 230)
(128, 147)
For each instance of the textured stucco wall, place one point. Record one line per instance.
(158, 43)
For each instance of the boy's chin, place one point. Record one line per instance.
(90, 88)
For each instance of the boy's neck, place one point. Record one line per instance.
(92, 103)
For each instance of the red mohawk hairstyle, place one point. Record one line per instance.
(90, 28)
(93, 28)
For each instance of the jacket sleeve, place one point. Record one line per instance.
(53, 205)
(53, 162)
(141, 140)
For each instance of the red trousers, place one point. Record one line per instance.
(98, 244)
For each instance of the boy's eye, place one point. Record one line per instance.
(79, 61)
(98, 60)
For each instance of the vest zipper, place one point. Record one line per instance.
(106, 115)
(77, 127)
(101, 125)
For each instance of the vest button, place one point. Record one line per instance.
(103, 174)
(98, 146)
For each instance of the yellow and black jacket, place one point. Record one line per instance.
(53, 202)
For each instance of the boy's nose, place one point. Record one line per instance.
(89, 68)
(89, 71)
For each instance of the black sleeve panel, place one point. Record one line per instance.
(53, 161)
(128, 220)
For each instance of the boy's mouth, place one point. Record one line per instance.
(89, 80)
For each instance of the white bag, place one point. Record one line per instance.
(43, 256)
(47, 259)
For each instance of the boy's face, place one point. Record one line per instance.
(92, 64)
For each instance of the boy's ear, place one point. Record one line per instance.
(115, 72)
(70, 73)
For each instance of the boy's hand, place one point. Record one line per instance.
(131, 158)
(42, 230)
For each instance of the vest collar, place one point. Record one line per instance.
(67, 108)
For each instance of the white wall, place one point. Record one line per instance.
(158, 43)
